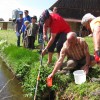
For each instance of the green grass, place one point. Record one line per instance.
(25, 64)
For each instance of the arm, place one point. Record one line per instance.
(59, 62)
(45, 31)
(87, 54)
(49, 43)
(16, 27)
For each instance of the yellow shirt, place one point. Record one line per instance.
(94, 23)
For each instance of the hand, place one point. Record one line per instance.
(44, 37)
(85, 68)
(20, 31)
(50, 76)
(44, 52)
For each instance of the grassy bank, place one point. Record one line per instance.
(25, 64)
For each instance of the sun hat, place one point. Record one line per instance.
(34, 17)
(86, 18)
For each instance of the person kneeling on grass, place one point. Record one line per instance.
(77, 52)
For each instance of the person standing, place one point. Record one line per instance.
(19, 23)
(26, 18)
(40, 35)
(58, 30)
(32, 30)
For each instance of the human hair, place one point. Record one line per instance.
(26, 22)
(71, 34)
(26, 11)
(87, 17)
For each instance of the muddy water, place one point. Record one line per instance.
(10, 87)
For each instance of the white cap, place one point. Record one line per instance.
(86, 18)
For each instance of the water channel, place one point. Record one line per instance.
(10, 87)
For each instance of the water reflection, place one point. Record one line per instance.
(10, 87)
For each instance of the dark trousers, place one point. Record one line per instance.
(58, 42)
(31, 41)
(18, 40)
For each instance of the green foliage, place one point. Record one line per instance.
(26, 63)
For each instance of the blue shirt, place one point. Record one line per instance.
(27, 18)
(19, 23)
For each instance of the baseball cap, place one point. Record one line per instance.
(20, 13)
(44, 16)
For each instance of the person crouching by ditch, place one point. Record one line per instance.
(32, 30)
(77, 53)
(59, 29)
(25, 38)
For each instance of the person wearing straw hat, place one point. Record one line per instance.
(58, 30)
(77, 53)
(93, 23)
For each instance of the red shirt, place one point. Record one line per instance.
(58, 24)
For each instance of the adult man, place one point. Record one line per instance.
(59, 28)
(55, 9)
(76, 50)
(19, 23)
(93, 23)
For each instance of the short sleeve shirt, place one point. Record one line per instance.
(27, 18)
(77, 52)
(58, 25)
(94, 23)
(19, 23)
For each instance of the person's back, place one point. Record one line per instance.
(76, 51)
(58, 24)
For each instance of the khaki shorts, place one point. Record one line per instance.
(75, 64)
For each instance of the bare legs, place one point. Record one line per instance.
(50, 54)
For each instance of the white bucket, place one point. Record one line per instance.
(79, 76)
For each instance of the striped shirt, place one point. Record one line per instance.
(76, 52)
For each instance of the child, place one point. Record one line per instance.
(32, 30)
(25, 40)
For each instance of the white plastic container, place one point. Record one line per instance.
(79, 76)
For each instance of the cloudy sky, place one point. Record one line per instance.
(35, 7)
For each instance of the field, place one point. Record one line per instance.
(25, 64)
